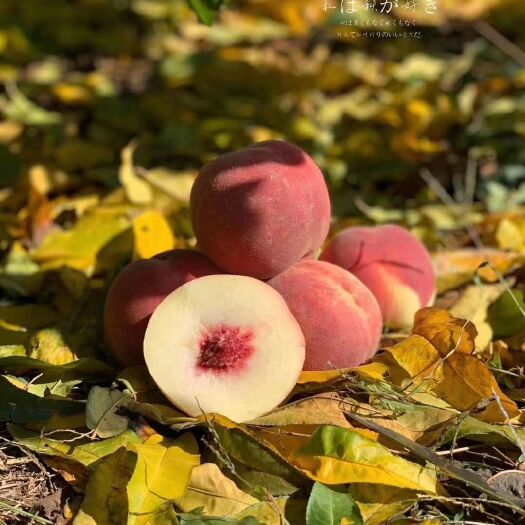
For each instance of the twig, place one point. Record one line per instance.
(519, 443)
(15, 510)
(470, 478)
(500, 41)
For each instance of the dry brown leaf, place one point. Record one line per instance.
(438, 357)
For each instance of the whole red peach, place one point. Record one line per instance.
(259, 210)
(339, 316)
(393, 263)
(138, 289)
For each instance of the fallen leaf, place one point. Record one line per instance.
(212, 491)
(101, 411)
(332, 506)
(20, 109)
(152, 235)
(138, 191)
(161, 475)
(324, 409)
(368, 371)
(506, 316)
(476, 430)
(337, 455)
(83, 369)
(379, 503)
(86, 453)
(439, 357)
(18, 406)
(48, 345)
(105, 501)
(175, 184)
(459, 267)
(473, 306)
(244, 448)
(292, 509)
(80, 246)
(511, 482)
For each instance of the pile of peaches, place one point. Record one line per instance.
(229, 328)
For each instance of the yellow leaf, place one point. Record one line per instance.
(175, 184)
(445, 332)
(337, 455)
(375, 371)
(105, 499)
(439, 357)
(81, 246)
(137, 190)
(473, 305)
(458, 267)
(379, 503)
(49, 345)
(153, 235)
(72, 94)
(324, 409)
(162, 474)
(211, 489)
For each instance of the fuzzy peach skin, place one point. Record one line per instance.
(138, 289)
(259, 210)
(392, 263)
(339, 316)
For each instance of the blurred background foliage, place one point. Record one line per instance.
(84, 77)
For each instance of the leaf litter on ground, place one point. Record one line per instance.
(97, 163)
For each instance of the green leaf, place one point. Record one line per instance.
(477, 430)
(10, 167)
(206, 10)
(468, 477)
(329, 505)
(244, 448)
(197, 518)
(81, 369)
(335, 455)
(19, 406)
(87, 246)
(271, 513)
(21, 109)
(161, 475)
(505, 315)
(78, 451)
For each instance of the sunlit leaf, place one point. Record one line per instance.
(206, 9)
(337, 455)
(440, 357)
(161, 475)
(211, 490)
(153, 235)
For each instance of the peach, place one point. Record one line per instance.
(137, 290)
(259, 210)
(339, 316)
(393, 263)
(226, 344)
